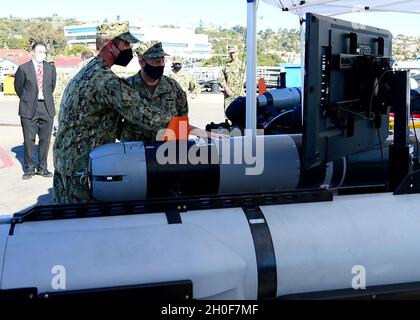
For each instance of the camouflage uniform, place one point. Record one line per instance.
(168, 100)
(185, 80)
(62, 81)
(90, 112)
(187, 83)
(233, 76)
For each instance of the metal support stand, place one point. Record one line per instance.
(399, 153)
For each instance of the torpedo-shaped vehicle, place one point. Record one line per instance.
(303, 218)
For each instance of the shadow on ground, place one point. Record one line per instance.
(43, 200)
(19, 155)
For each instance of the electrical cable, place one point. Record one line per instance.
(383, 159)
(415, 135)
(374, 90)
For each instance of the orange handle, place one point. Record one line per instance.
(262, 87)
(178, 129)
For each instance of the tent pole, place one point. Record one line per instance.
(302, 61)
(251, 73)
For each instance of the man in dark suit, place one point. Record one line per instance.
(34, 84)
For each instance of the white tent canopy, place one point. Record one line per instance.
(336, 7)
(300, 8)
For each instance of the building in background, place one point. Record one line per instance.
(11, 59)
(181, 42)
(85, 34)
(13, 53)
(67, 64)
(8, 66)
(176, 41)
(412, 65)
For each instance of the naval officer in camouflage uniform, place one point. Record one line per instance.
(93, 104)
(64, 78)
(163, 95)
(186, 81)
(232, 78)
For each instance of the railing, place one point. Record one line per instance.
(206, 75)
(270, 75)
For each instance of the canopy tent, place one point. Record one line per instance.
(336, 7)
(300, 8)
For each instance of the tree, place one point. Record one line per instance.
(15, 43)
(75, 50)
(215, 61)
(18, 33)
(268, 59)
(54, 39)
(239, 29)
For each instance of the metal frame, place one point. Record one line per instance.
(164, 205)
(395, 291)
(174, 291)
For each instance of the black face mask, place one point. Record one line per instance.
(153, 72)
(124, 57)
(176, 67)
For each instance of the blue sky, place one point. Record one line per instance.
(188, 13)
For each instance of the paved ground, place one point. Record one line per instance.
(17, 195)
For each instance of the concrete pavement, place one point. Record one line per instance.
(17, 195)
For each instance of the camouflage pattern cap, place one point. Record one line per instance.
(233, 49)
(116, 30)
(151, 49)
(177, 59)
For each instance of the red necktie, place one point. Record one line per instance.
(40, 78)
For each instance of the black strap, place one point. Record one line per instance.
(270, 100)
(12, 228)
(264, 250)
(173, 217)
